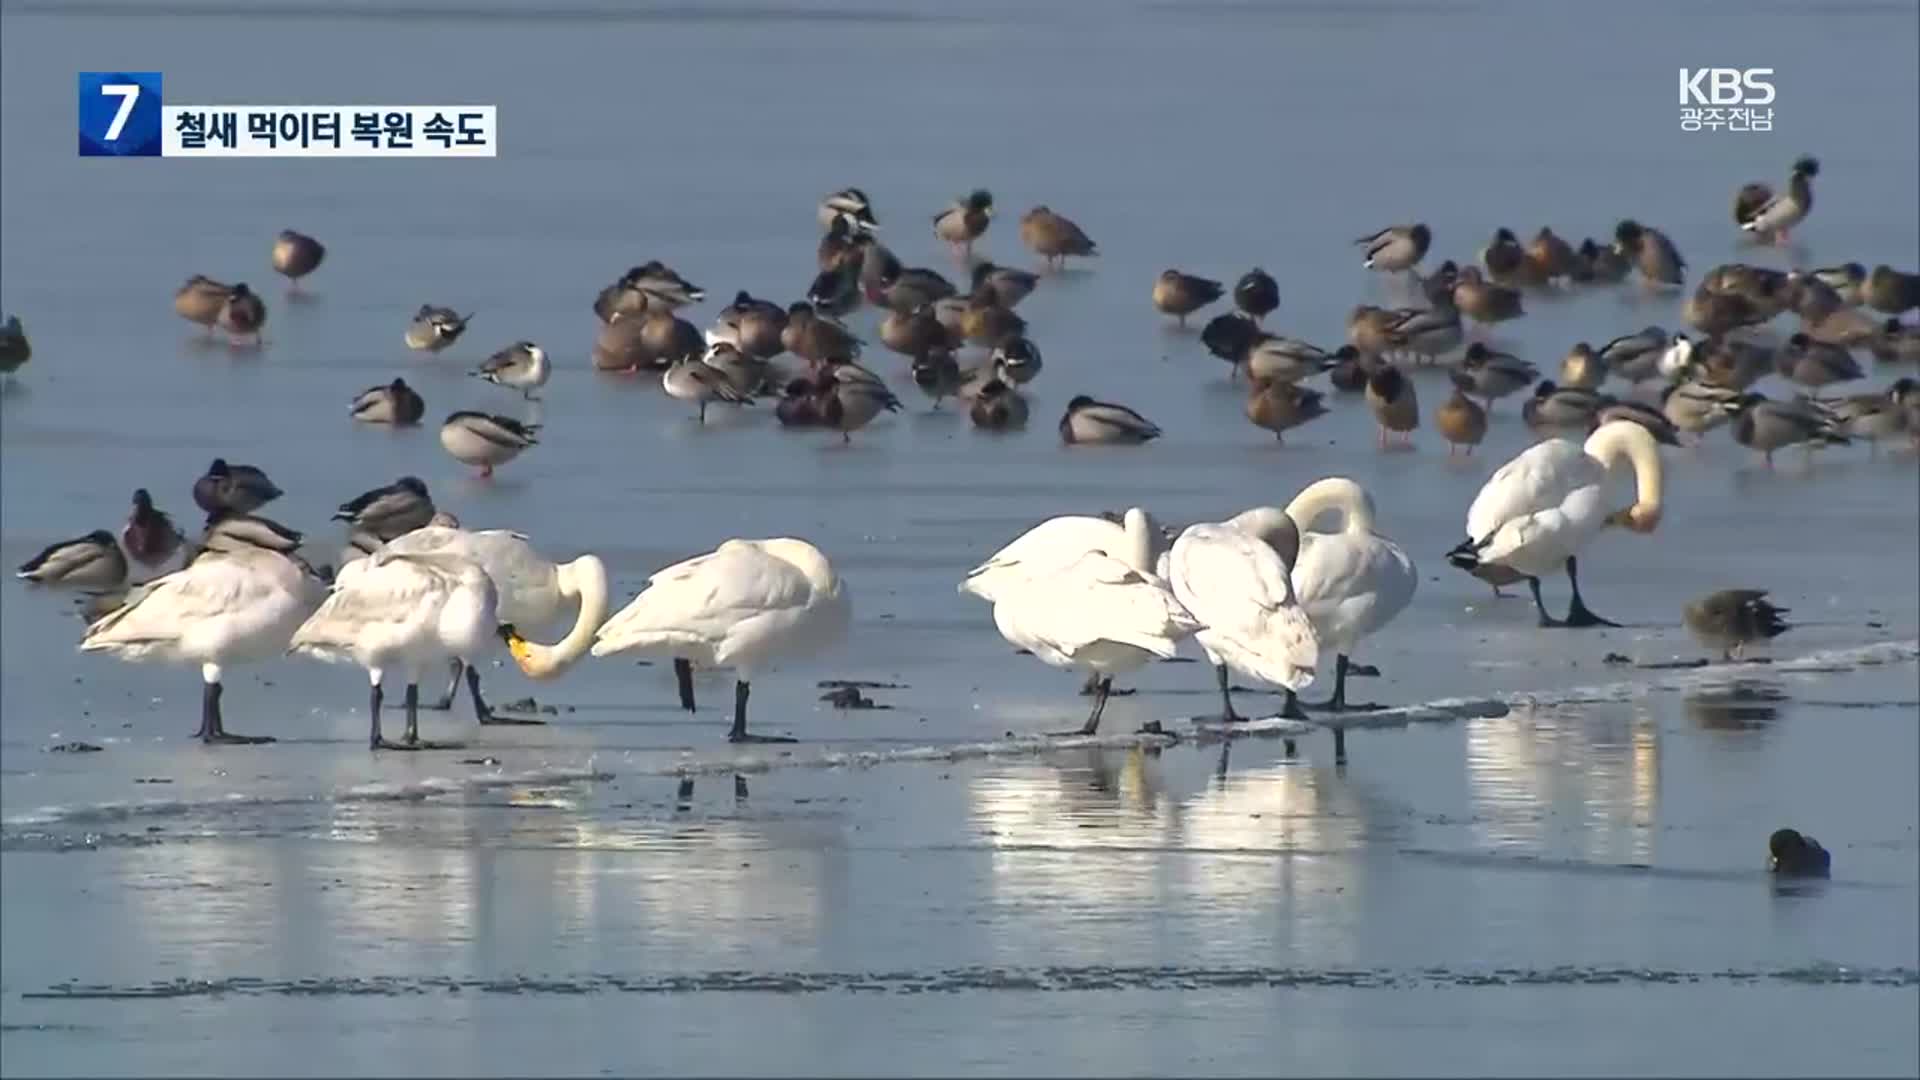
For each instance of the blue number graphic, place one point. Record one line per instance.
(120, 114)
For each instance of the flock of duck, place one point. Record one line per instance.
(1265, 594)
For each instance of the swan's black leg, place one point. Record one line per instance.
(412, 740)
(739, 732)
(1577, 613)
(1226, 696)
(683, 677)
(453, 686)
(212, 730)
(1338, 703)
(1533, 586)
(484, 713)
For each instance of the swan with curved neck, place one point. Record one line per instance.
(1351, 583)
(583, 580)
(1538, 510)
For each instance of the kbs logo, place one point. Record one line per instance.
(1728, 99)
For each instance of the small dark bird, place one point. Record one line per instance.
(390, 511)
(1257, 294)
(1053, 236)
(1794, 854)
(296, 255)
(150, 535)
(243, 314)
(1731, 619)
(241, 489)
(395, 403)
(1180, 295)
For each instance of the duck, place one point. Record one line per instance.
(691, 378)
(1601, 264)
(93, 561)
(755, 324)
(998, 406)
(875, 263)
(1104, 613)
(849, 403)
(242, 314)
(620, 299)
(1815, 365)
(1506, 261)
(1091, 422)
(1676, 361)
(239, 488)
(521, 366)
(1426, 334)
(1843, 326)
(1370, 329)
(1009, 286)
(1766, 425)
(746, 374)
(1731, 619)
(1846, 280)
(1714, 313)
(1016, 359)
(200, 300)
(814, 337)
(1773, 219)
(985, 321)
(1651, 253)
(1663, 430)
(15, 349)
(394, 403)
(1393, 403)
(1748, 200)
(149, 535)
(1581, 369)
(1282, 359)
(1635, 357)
(1396, 247)
(1730, 363)
(235, 531)
(1352, 583)
(1551, 260)
(295, 255)
(666, 337)
(1234, 578)
(1890, 291)
(435, 328)
(1555, 409)
(1181, 294)
(1459, 419)
(1350, 370)
(936, 373)
(1540, 509)
(965, 221)
(835, 291)
(1279, 405)
(408, 612)
(1698, 407)
(620, 345)
(1256, 294)
(1494, 375)
(1794, 854)
(1896, 343)
(748, 606)
(1483, 302)
(389, 511)
(1767, 291)
(662, 286)
(799, 405)
(1905, 392)
(1054, 237)
(1873, 416)
(485, 440)
(221, 609)
(848, 205)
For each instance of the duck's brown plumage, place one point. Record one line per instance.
(1053, 236)
(1181, 294)
(1391, 398)
(1280, 406)
(1460, 419)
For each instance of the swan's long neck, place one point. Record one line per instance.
(1273, 527)
(1334, 494)
(1142, 534)
(1626, 439)
(584, 578)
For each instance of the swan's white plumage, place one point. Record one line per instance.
(1097, 613)
(1352, 582)
(1043, 549)
(403, 611)
(744, 605)
(1236, 586)
(224, 607)
(1550, 500)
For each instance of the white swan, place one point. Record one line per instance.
(533, 592)
(1233, 577)
(1351, 583)
(410, 612)
(746, 605)
(1541, 508)
(225, 607)
(1097, 614)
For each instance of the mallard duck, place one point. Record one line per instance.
(913, 334)
(1732, 619)
(1766, 291)
(799, 405)
(1718, 312)
(1651, 253)
(1270, 357)
(1506, 260)
(1350, 370)
(849, 404)
(390, 510)
(665, 337)
(1459, 419)
(1814, 365)
(1601, 264)
(242, 314)
(1393, 403)
(1016, 358)
(1279, 406)
(1873, 416)
(985, 321)
(1698, 407)
(1087, 421)
(1905, 392)
(1257, 294)
(1730, 363)
(848, 207)
(520, 366)
(1494, 375)
(1771, 220)
(486, 440)
(435, 328)
(662, 285)
(1890, 291)
(93, 561)
(1396, 247)
(1370, 329)
(1896, 343)
(836, 291)
(295, 255)
(619, 346)
(1180, 294)
(691, 378)
(1053, 237)
(200, 300)
(1009, 285)
(1767, 425)
(1635, 357)
(998, 407)
(964, 222)
(1426, 334)
(843, 244)
(813, 337)
(1483, 302)
(1581, 368)
(1811, 298)
(1748, 201)
(15, 349)
(1846, 280)
(1662, 429)
(149, 535)
(1556, 410)
(394, 403)
(235, 488)
(936, 373)
(1551, 259)
(903, 288)
(747, 374)
(1793, 854)
(755, 325)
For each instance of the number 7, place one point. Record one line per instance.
(128, 93)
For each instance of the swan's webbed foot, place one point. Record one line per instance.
(750, 737)
(228, 738)
(1579, 617)
(1362, 671)
(494, 719)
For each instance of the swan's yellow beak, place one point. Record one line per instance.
(520, 648)
(1639, 517)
